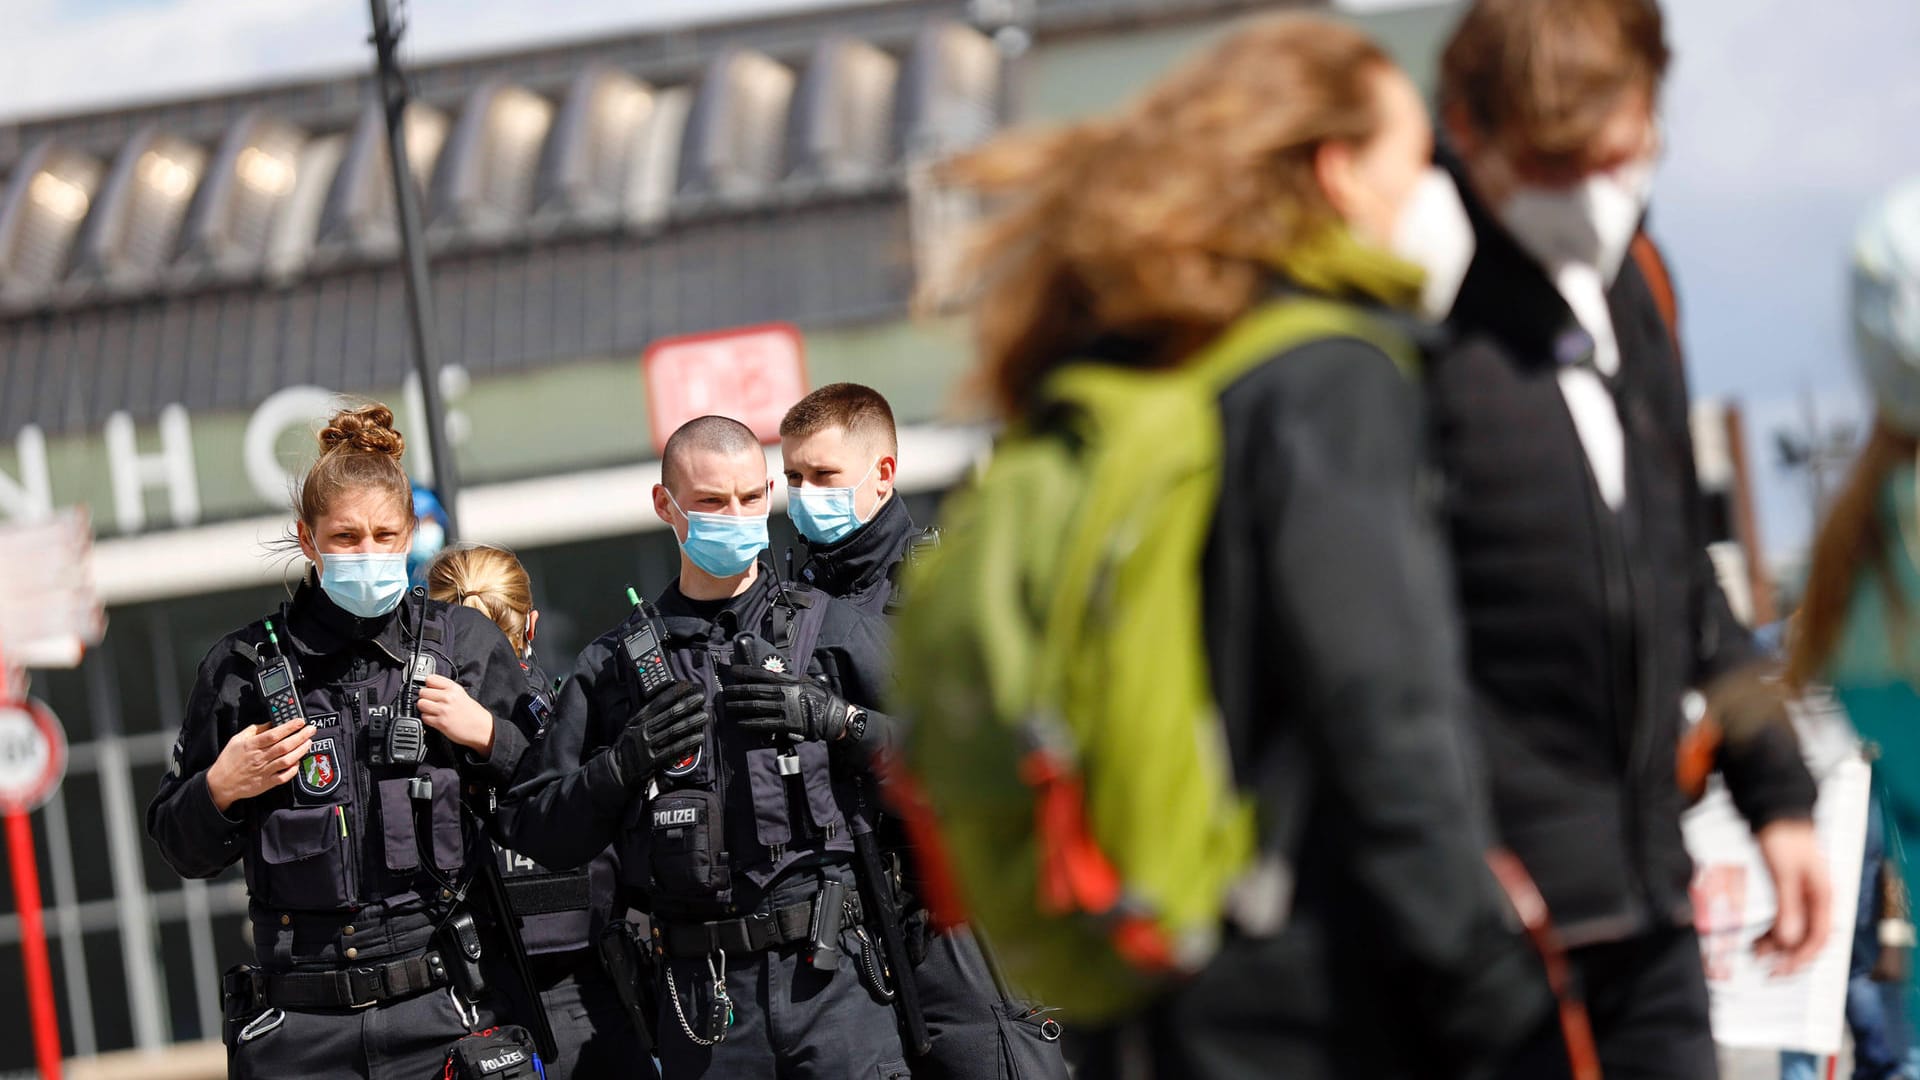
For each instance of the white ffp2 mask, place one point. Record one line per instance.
(1589, 224)
(1433, 233)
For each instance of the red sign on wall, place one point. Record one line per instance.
(753, 374)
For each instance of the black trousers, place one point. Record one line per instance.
(791, 1021)
(1304, 1005)
(1647, 998)
(591, 1028)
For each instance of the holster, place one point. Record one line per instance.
(458, 941)
(629, 965)
(240, 1000)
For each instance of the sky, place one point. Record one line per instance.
(1784, 121)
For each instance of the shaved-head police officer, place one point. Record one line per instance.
(727, 768)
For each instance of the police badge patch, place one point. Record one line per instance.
(320, 769)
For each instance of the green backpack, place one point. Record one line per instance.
(1065, 775)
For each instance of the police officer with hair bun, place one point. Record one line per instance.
(344, 748)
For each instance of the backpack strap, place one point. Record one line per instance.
(1653, 266)
(1294, 319)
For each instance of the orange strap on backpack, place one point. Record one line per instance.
(1653, 267)
(1524, 895)
(1699, 744)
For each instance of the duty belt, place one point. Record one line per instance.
(758, 932)
(354, 987)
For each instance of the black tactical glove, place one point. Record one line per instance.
(776, 703)
(669, 727)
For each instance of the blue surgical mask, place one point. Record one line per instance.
(368, 584)
(827, 515)
(722, 544)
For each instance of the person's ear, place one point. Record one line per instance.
(307, 546)
(662, 504)
(533, 621)
(1334, 168)
(883, 478)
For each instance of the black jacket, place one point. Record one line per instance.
(347, 666)
(864, 571)
(861, 568)
(1584, 626)
(1331, 634)
(568, 803)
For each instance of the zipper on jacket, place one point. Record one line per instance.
(1617, 596)
(357, 819)
(1641, 766)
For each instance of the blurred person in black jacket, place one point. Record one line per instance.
(1577, 528)
(1288, 164)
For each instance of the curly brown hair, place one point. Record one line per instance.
(1153, 228)
(359, 451)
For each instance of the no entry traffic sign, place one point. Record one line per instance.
(753, 374)
(33, 755)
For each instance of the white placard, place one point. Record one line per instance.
(1734, 905)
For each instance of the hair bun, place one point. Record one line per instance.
(368, 429)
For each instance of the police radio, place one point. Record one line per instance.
(399, 738)
(275, 680)
(644, 648)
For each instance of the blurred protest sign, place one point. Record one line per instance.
(49, 610)
(753, 374)
(1734, 905)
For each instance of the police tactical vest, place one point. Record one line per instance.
(344, 832)
(751, 807)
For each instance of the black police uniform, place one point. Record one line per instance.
(357, 874)
(730, 858)
(965, 1011)
(562, 915)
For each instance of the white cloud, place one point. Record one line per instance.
(63, 57)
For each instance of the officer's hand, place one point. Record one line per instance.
(257, 759)
(446, 708)
(669, 727)
(776, 703)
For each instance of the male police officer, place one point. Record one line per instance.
(839, 449)
(731, 782)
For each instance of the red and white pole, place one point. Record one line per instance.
(33, 930)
